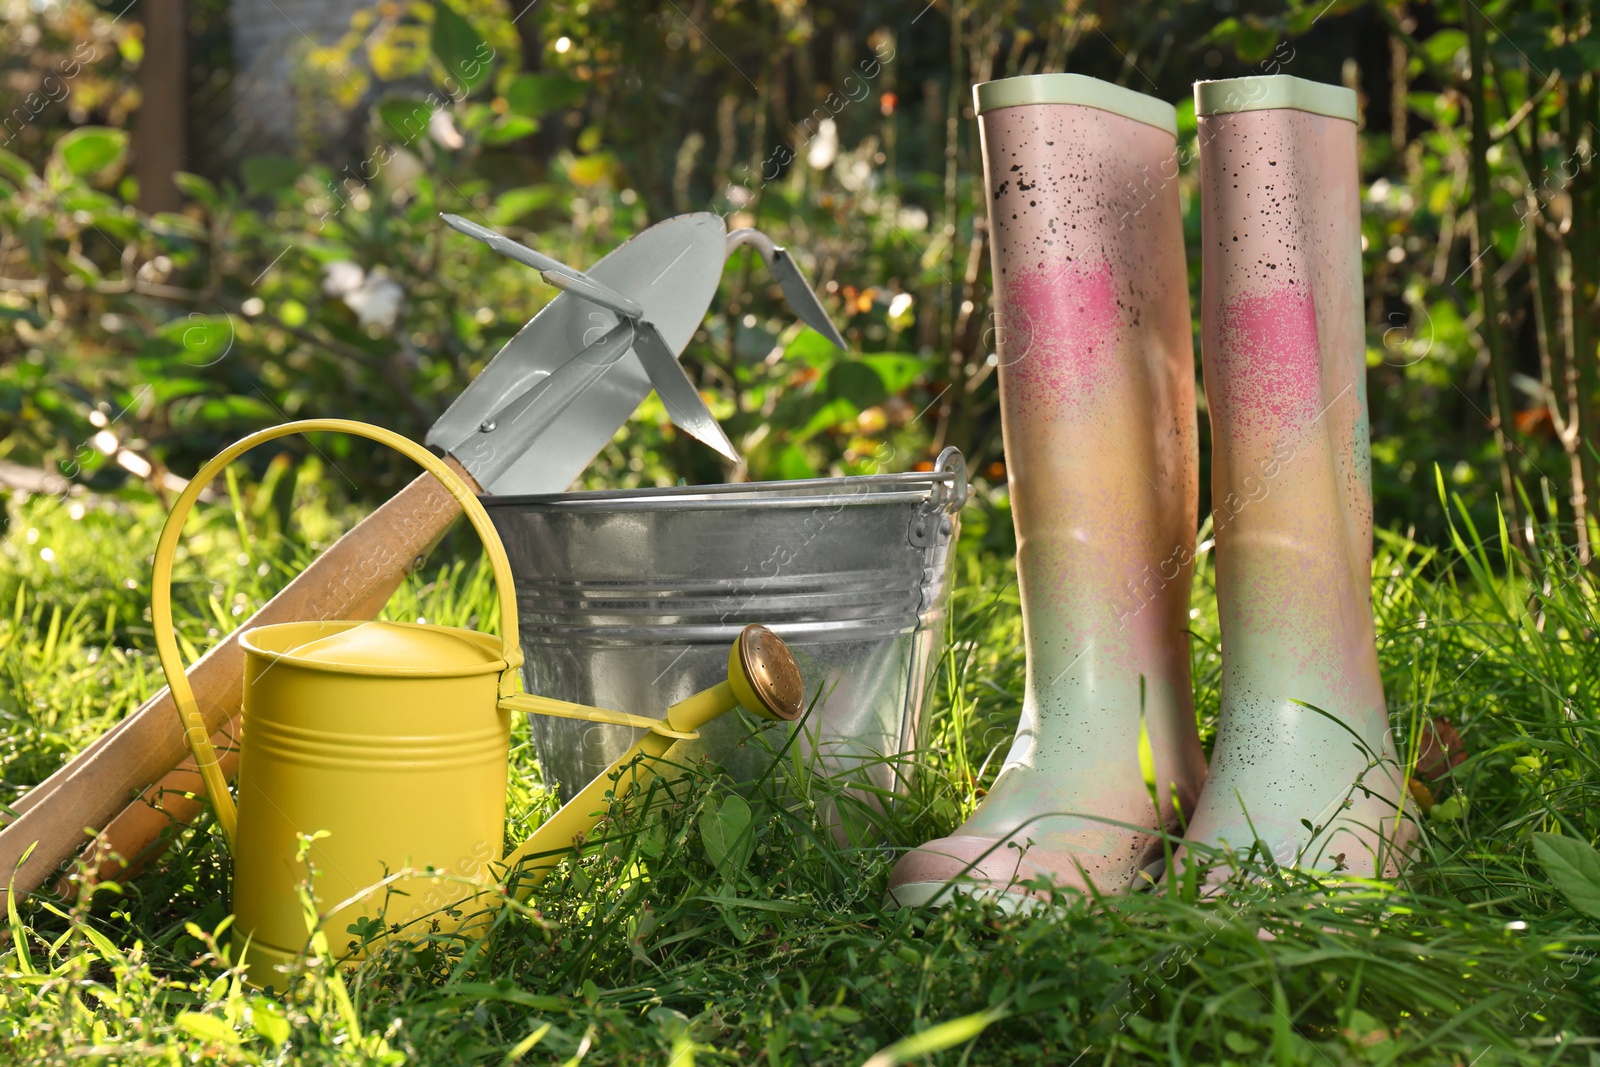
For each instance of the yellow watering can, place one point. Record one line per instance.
(387, 744)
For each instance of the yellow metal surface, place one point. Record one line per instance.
(375, 755)
(399, 648)
(195, 731)
(556, 836)
(376, 752)
(562, 709)
(761, 662)
(389, 775)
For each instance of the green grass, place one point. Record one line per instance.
(650, 950)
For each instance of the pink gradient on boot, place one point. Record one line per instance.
(1270, 368)
(1073, 329)
(1097, 411)
(1283, 346)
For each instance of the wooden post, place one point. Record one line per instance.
(159, 139)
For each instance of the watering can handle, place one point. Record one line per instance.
(195, 732)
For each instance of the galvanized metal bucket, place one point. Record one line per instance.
(629, 598)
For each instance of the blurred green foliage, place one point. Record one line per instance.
(320, 282)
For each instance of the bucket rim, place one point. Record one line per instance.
(907, 487)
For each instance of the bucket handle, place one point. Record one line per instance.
(954, 464)
(194, 728)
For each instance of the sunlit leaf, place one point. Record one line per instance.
(207, 1028)
(197, 188)
(198, 340)
(897, 369)
(173, 224)
(1442, 47)
(509, 128)
(936, 1038)
(592, 169)
(793, 462)
(810, 349)
(1256, 39)
(268, 1020)
(1573, 867)
(15, 169)
(513, 204)
(831, 414)
(88, 150)
(399, 52)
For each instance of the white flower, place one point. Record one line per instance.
(824, 147)
(341, 277)
(375, 297)
(376, 301)
(442, 128)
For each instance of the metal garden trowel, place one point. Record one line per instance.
(530, 423)
(583, 364)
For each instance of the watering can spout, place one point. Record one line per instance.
(762, 678)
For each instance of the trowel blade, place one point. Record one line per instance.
(677, 391)
(486, 452)
(801, 298)
(671, 270)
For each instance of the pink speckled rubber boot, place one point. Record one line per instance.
(1284, 352)
(1097, 407)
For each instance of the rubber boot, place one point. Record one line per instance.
(1302, 738)
(1096, 371)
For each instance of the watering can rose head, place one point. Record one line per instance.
(764, 675)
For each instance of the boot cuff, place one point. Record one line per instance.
(1274, 91)
(1075, 89)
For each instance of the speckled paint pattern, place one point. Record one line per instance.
(1283, 350)
(1098, 415)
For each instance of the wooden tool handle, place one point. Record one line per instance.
(100, 782)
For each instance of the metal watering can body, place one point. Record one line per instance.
(374, 755)
(388, 740)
